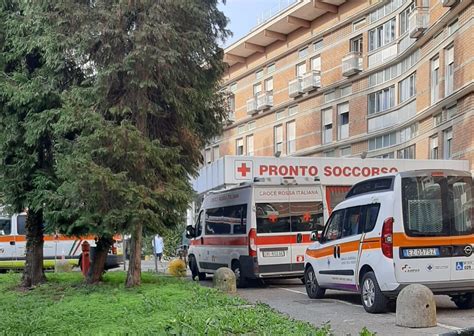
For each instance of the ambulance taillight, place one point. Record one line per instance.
(387, 238)
(252, 243)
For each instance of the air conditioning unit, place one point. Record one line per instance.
(449, 3)
(295, 88)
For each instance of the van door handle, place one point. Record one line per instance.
(12, 243)
(299, 238)
(202, 240)
(339, 252)
(335, 252)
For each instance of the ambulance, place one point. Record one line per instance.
(56, 247)
(259, 229)
(413, 227)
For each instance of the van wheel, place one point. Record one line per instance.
(373, 300)
(195, 270)
(464, 301)
(240, 280)
(311, 283)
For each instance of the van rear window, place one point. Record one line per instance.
(374, 185)
(437, 206)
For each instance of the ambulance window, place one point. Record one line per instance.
(21, 229)
(273, 217)
(5, 227)
(216, 223)
(370, 214)
(333, 229)
(306, 216)
(462, 205)
(352, 224)
(380, 184)
(241, 227)
(199, 225)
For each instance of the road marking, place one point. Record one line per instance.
(323, 300)
(448, 327)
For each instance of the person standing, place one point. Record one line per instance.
(158, 246)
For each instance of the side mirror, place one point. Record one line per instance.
(316, 235)
(190, 232)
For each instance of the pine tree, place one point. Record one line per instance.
(33, 74)
(155, 103)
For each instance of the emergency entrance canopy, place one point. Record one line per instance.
(233, 170)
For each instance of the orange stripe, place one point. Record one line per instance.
(282, 239)
(324, 252)
(402, 240)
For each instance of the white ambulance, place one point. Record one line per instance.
(13, 245)
(259, 229)
(414, 227)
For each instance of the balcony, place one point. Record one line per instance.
(264, 101)
(311, 81)
(295, 88)
(351, 64)
(252, 106)
(418, 22)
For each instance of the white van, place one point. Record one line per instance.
(391, 231)
(13, 246)
(259, 229)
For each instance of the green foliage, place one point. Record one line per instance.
(161, 306)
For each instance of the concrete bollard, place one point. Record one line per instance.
(416, 307)
(224, 280)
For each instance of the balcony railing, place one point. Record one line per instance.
(264, 101)
(295, 87)
(351, 64)
(418, 22)
(311, 81)
(252, 106)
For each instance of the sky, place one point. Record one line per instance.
(243, 15)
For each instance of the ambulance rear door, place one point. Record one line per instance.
(7, 243)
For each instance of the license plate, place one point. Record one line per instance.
(421, 252)
(273, 253)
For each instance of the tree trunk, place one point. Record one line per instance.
(33, 273)
(134, 266)
(98, 259)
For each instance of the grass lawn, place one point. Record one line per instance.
(161, 306)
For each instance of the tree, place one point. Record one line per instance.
(33, 74)
(157, 66)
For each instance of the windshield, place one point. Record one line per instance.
(437, 206)
(289, 217)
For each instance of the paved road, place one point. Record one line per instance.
(344, 311)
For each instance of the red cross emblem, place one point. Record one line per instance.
(306, 217)
(243, 169)
(273, 218)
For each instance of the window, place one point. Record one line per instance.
(259, 74)
(329, 96)
(346, 151)
(291, 137)
(241, 129)
(407, 88)
(407, 133)
(345, 90)
(434, 155)
(271, 68)
(316, 63)
(273, 217)
(300, 69)
(251, 125)
(449, 81)
(293, 110)
(390, 155)
(333, 229)
(5, 227)
(198, 224)
(356, 25)
(318, 45)
(343, 122)
(369, 216)
(327, 125)
(280, 114)
(239, 147)
(447, 114)
(356, 44)
(382, 35)
(278, 138)
(257, 88)
(404, 18)
(233, 87)
(249, 140)
(269, 85)
(381, 100)
(383, 141)
(215, 153)
(434, 80)
(352, 224)
(370, 186)
(447, 143)
(231, 104)
(330, 153)
(227, 220)
(453, 27)
(406, 153)
(21, 222)
(302, 53)
(208, 156)
(215, 223)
